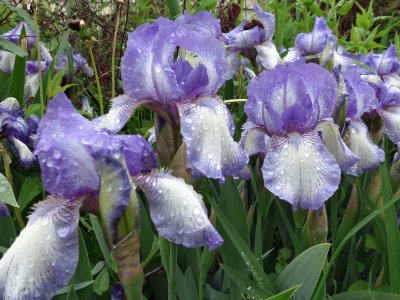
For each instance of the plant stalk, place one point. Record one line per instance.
(113, 51)
(96, 75)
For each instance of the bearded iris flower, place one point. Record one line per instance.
(183, 92)
(286, 108)
(78, 159)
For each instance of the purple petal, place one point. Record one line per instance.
(300, 170)
(254, 140)
(122, 107)
(267, 20)
(240, 38)
(292, 55)
(14, 34)
(361, 94)
(178, 212)
(146, 65)
(314, 42)
(193, 82)
(23, 153)
(115, 190)
(332, 140)
(202, 21)
(359, 142)
(391, 123)
(232, 58)
(384, 63)
(139, 154)
(4, 210)
(49, 265)
(212, 54)
(207, 129)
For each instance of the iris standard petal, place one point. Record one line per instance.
(384, 63)
(52, 239)
(314, 42)
(178, 212)
(115, 189)
(299, 169)
(254, 140)
(122, 107)
(241, 38)
(212, 54)
(203, 21)
(359, 142)
(332, 140)
(361, 94)
(391, 122)
(207, 129)
(146, 65)
(267, 20)
(14, 34)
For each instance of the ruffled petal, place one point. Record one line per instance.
(122, 107)
(359, 142)
(178, 212)
(391, 122)
(299, 169)
(207, 129)
(210, 50)
(146, 65)
(115, 190)
(44, 256)
(202, 21)
(384, 63)
(268, 55)
(332, 140)
(253, 140)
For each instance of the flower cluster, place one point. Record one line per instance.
(306, 121)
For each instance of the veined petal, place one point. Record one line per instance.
(203, 21)
(268, 55)
(115, 189)
(333, 142)
(240, 38)
(384, 63)
(254, 140)
(207, 129)
(52, 239)
(122, 107)
(391, 123)
(359, 142)
(268, 21)
(299, 169)
(178, 212)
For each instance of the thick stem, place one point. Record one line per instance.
(172, 270)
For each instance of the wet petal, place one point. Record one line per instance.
(207, 129)
(203, 21)
(212, 54)
(178, 212)
(314, 42)
(254, 140)
(268, 55)
(52, 239)
(146, 65)
(391, 122)
(299, 169)
(359, 142)
(332, 140)
(122, 107)
(115, 190)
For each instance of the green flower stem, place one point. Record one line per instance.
(6, 162)
(173, 251)
(39, 60)
(113, 51)
(96, 75)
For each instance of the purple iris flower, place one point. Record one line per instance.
(14, 34)
(289, 111)
(3, 210)
(182, 92)
(315, 41)
(256, 34)
(79, 62)
(17, 131)
(77, 160)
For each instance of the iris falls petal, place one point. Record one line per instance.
(359, 142)
(52, 240)
(207, 129)
(391, 122)
(178, 212)
(299, 169)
